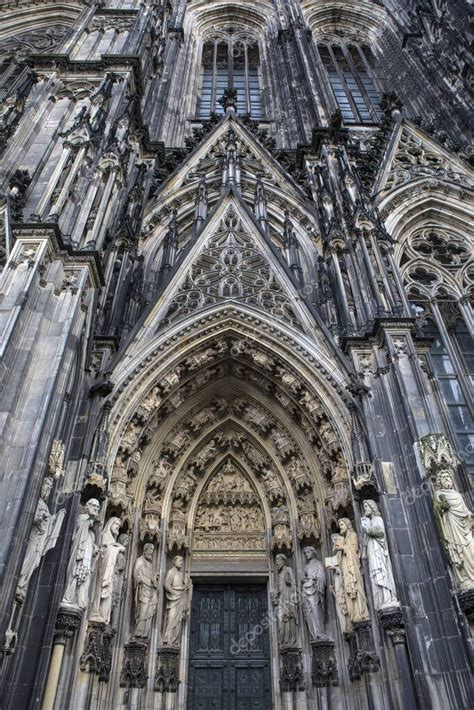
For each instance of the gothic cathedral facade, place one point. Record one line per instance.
(236, 355)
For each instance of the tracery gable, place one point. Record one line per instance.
(413, 155)
(232, 261)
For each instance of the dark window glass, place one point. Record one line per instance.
(354, 89)
(233, 67)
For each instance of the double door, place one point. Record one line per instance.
(229, 667)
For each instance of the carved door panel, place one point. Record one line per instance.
(229, 648)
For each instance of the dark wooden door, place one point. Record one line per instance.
(229, 667)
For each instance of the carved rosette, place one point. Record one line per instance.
(167, 670)
(291, 677)
(133, 674)
(324, 665)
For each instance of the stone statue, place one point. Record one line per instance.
(109, 552)
(376, 551)
(146, 592)
(455, 522)
(117, 586)
(285, 601)
(176, 592)
(313, 587)
(43, 536)
(348, 545)
(337, 587)
(83, 550)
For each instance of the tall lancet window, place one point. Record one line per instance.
(230, 63)
(351, 75)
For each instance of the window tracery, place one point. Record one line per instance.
(436, 264)
(230, 61)
(350, 66)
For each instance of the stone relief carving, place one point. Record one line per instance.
(285, 599)
(145, 581)
(229, 516)
(375, 549)
(56, 459)
(81, 557)
(281, 537)
(309, 527)
(272, 485)
(313, 587)
(299, 473)
(177, 537)
(177, 602)
(150, 522)
(118, 494)
(161, 470)
(43, 536)
(340, 492)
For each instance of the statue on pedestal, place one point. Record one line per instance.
(43, 536)
(376, 551)
(109, 552)
(348, 545)
(455, 522)
(285, 601)
(313, 588)
(146, 592)
(176, 604)
(124, 541)
(83, 550)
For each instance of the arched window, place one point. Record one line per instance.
(349, 68)
(445, 370)
(230, 63)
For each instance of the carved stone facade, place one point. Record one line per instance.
(236, 323)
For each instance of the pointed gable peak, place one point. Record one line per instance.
(231, 137)
(413, 155)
